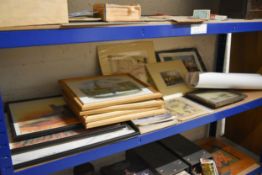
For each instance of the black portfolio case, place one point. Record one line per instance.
(159, 159)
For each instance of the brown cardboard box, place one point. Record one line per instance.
(32, 12)
(114, 12)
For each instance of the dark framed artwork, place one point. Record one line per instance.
(216, 98)
(70, 146)
(189, 56)
(59, 137)
(39, 117)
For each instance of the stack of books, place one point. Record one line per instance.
(104, 100)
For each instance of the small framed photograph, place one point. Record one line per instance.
(127, 58)
(169, 77)
(189, 56)
(39, 117)
(216, 98)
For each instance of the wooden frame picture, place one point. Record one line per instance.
(103, 91)
(216, 98)
(39, 117)
(127, 58)
(190, 57)
(228, 158)
(169, 77)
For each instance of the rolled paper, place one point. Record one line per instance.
(215, 80)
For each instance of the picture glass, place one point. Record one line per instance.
(36, 116)
(223, 158)
(171, 78)
(107, 89)
(216, 97)
(189, 57)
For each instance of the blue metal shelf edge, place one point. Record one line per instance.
(27, 38)
(140, 140)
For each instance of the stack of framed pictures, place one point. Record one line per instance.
(44, 129)
(104, 100)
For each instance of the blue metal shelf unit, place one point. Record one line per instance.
(26, 38)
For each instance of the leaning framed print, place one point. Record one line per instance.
(39, 117)
(169, 77)
(216, 98)
(127, 58)
(189, 56)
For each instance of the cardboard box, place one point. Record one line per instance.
(121, 13)
(32, 12)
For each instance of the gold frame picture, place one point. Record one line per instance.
(107, 91)
(168, 77)
(127, 58)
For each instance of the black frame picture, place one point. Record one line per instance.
(216, 98)
(189, 56)
(74, 150)
(23, 118)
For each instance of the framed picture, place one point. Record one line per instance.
(216, 98)
(68, 147)
(184, 109)
(227, 157)
(169, 77)
(39, 117)
(189, 56)
(127, 58)
(103, 91)
(59, 137)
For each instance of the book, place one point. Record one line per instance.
(153, 123)
(184, 109)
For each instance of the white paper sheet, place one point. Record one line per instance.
(225, 80)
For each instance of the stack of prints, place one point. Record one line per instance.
(104, 100)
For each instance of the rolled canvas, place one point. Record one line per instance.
(215, 80)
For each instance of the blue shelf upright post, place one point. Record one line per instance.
(6, 167)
